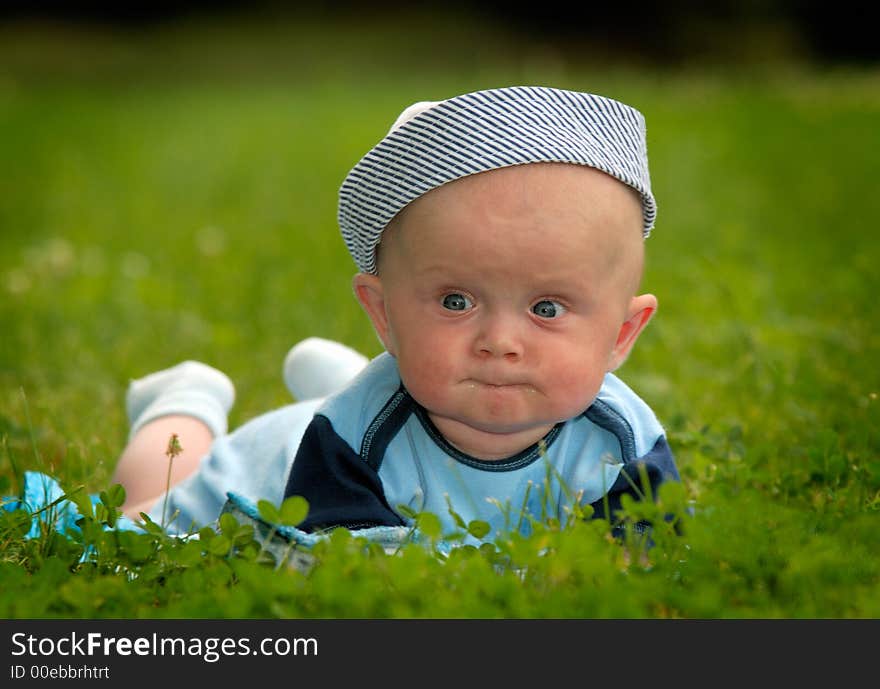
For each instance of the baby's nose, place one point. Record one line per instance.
(500, 337)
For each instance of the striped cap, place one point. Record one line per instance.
(432, 143)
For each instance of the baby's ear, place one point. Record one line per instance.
(641, 309)
(371, 294)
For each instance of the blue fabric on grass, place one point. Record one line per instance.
(44, 498)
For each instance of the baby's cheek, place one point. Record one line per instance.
(424, 378)
(576, 390)
(432, 361)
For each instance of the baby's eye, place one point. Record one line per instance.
(456, 302)
(548, 308)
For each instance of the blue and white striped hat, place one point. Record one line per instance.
(432, 143)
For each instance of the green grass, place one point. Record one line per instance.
(172, 195)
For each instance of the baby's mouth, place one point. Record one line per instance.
(495, 384)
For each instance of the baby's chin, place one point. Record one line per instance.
(480, 435)
(504, 411)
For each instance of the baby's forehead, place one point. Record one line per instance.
(557, 187)
(515, 177)
(573, 206)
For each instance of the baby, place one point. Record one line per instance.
(499, 237)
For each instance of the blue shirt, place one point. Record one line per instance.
(372, 448)
(359, 455)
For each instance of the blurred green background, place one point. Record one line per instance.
(168, 185)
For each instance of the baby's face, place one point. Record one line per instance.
(505, 297)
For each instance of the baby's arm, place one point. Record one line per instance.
(639, 478)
